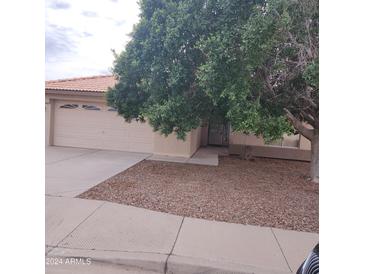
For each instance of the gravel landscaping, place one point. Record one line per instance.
(265, 192)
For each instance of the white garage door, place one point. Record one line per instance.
(95, 125)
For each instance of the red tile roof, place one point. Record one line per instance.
(89, 84)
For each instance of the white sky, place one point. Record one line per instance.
(80, 35)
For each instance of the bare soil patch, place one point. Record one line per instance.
(264, 192)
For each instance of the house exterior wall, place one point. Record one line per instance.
(304, 143)
(204, 135)
(195, 140)
(47, 107)
(236, 138)
(49, 119)
(171, 146)
(291, 148)
(162, 145)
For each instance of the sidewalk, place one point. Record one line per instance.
(153, 241)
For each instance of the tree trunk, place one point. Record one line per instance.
(313, 136)
(314, 170)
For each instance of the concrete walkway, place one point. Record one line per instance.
(120, 236)
(203, 156)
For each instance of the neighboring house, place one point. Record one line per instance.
(77, 116)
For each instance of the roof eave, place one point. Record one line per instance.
(75, 92)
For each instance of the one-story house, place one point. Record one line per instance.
(77, 116)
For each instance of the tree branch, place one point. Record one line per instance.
(307, 27)
(265, 78)
(309, 118)
(306, 132)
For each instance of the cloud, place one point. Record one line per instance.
(89, 13)
(86, 34)
(116, 22)
(59, 42)
(79, 38)
(119, 23)
(59, 5)
(104, 72)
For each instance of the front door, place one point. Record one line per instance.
(218, 134)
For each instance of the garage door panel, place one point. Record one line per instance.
(100, 129)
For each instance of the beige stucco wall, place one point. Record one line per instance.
(291, 148)
(236, 138)
(204, 135)
(291, 140)
(195, 140)
(288, 153)
(171, 146)
(304, 143)
(47, 122)
(49, 119)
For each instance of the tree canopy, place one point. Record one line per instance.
(252, 63)
(161, 69)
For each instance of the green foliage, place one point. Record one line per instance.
(219, 60)
(311, 74)
(173, 112)
(279, 53)
(253, 118)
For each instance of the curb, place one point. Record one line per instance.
(157, 262)
(187, 265)
(146, 261)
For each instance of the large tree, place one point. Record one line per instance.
(279, 50)
(158, 69)
(253, 63)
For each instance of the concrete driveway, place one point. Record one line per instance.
(71, 171)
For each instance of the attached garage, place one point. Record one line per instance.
(95, 125)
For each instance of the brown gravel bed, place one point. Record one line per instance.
(263, 192)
